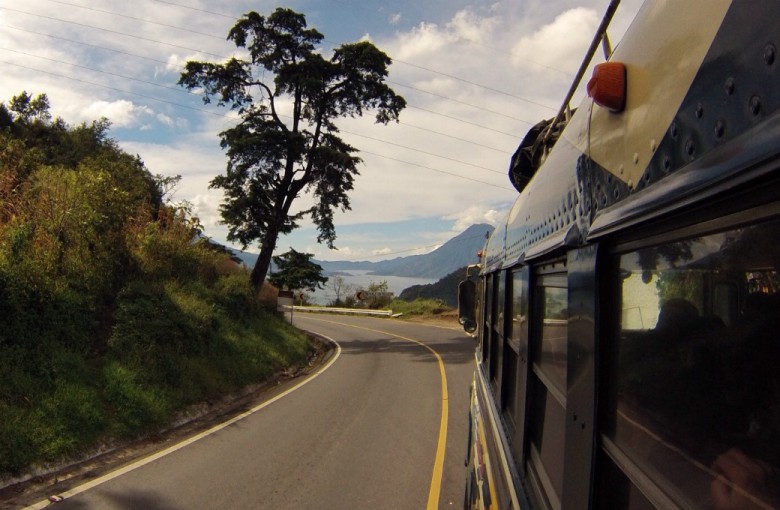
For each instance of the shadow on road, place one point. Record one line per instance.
(452, 351)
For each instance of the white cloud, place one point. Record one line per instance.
(121, 113)
(561, 43)
(423, 40)
(468, 25)
(410, 169)
(477, 214)
(165, 119)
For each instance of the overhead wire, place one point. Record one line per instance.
(402, 121)
(464, 80)
(127, 16)
(117, 32)
(226, 116)
(212, 54)
(512, 135)
(180, 90)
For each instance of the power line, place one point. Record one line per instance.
(226, 116)
(512, 135)
(502, 151)
(113, 88)
(112, 32)
(515, 96)
(180, 90)
(96, 46)
(436, 170)
(223, 57)
(122, 76)
(405, 123)
(196, 9)
(114, 13)
(459, 101)
(331, 42)
(422, 151)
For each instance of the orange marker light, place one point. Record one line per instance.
(607, 87)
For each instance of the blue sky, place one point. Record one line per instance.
(476, 75)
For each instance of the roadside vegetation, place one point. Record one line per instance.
(377, 296)
(421, 307)
(113, 315)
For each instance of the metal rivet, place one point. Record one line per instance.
(690, 148)
(653, 145)
(720, 128)
(636, 158)
(769, 54)
(699, 111)
(673, 130)
(730, 86)
(667, 164)
(755, 105)
(621, 169)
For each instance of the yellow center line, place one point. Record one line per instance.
(438, 465)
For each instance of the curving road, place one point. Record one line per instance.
(375, 429)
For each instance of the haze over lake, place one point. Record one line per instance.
(361, 279)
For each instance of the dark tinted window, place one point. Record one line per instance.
(697, 407)
(547, 413)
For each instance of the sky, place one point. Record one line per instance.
(476, 75)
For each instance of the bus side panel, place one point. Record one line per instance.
(491, 486)
(581, 379)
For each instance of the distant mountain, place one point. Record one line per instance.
(458, 252)
(246, 257)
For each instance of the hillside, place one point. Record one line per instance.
(445, 289)
(112, 320)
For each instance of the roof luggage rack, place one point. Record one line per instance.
(541, 138)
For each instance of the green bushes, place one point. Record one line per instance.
(419, 306)
(113, 316)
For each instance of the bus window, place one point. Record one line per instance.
(695, 417)
(485, 333)
(547, 411)
(516, 360)
(497, 333)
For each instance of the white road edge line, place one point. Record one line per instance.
(142, 462)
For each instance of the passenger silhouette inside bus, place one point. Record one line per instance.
(698, 402)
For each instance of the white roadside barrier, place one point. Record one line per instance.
(328, 309)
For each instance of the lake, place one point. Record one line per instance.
(360, 279)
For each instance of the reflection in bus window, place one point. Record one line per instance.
(547, 411)
(552, 359)
(698, 402)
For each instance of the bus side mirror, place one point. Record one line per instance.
(467, 293)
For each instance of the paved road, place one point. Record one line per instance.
(367, 432)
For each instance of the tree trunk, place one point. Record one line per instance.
(260, 271)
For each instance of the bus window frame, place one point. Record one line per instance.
(714, 218)
(519, 279)
(545, 274)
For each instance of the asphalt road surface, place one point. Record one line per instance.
(382, 426)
